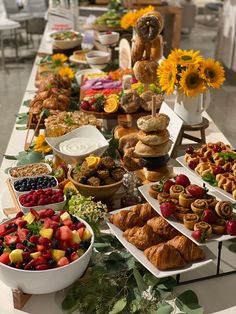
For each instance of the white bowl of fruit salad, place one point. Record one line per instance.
(45, 251)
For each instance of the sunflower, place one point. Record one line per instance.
(213, 73)
(59, 58)
(41, 146)
(191, 82)
(66, 72)
(185, 57)
(131, 17)
(167, 72)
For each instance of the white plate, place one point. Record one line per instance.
(219, 190)
(175, 223)
(77, 61)
(139, 255)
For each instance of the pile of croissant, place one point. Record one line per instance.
(162, 244)
(218, 160)
(53, 94)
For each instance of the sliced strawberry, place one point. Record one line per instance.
(74, 256)
(4, 258)
(42, 267)
(11, 238)
(41, 248)
(47, 222)
(56, 218)
(63, 245)
(65, 233)
(63, 262)
(34, 262)
(35, 213)
(4, 231)
(81, 232)
(67, 222)
(22, 233)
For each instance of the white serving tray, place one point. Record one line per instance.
(219, 190)
(139, 255)
(175, 223)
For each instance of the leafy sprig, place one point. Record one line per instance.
(227, 155)
(35, 227)
(210, 178)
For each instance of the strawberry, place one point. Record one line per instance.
(73, 257)
(49, 212)
(197, 235)
(190, 150)
(209, 216)
(167, 185)
(231, 227)
(47, 255)
(67, 222)
(4, 258)
(66, 233)
(19, 214)
(42, 267)
(11, 238)
(20, 246)
(44, 241)
(34, 239)
(22, 233)
(195, 190)
(192, 164)
(218, 170)
(167, 209)
(216, 148)
(56, 218)
(182, 179)
(63, 262)
(41, 248)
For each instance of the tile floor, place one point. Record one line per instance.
(13, 83)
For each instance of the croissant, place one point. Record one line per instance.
(188, 249)
(164, 256)
(125, 219)
(144, 211)
(162, 227)
(142, 237)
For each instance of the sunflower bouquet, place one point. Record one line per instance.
(131, 17)
(189, 72)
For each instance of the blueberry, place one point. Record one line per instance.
(12, 265)
(54, 244)
(85, 244)
(31, 245)
(1, 249)
(74, 219)
(12, 246)
(69, 250)
(52, 263)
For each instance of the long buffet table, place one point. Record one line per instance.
(215, 295)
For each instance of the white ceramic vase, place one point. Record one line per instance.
(190, 109)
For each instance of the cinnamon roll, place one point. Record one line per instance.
(186, 199)
(175, 190)
(211, 201)
(224, 209)
(154, 190)
(203, 227)
(180, 212)
(190, 220)
(198, 206)
(163, 197)
(219, 227)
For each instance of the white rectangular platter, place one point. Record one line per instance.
(175, 223)
(139, 255)
(219, 190)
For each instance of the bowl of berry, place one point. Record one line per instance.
(28, 184)
(44, 251)
(38, 199)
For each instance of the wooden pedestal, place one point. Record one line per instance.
(183, 135)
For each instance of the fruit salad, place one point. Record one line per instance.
(43, 240)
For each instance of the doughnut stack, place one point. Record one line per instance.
(153, 136)
(147, 48)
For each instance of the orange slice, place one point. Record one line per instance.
(113, 96)
(111, 105)
(92, 161)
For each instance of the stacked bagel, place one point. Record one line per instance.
(153, 136)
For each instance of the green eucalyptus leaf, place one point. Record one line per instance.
(188, 303)
(135, 306)
(192, 309)
(139, 280)
(165, 309)
(98, 245)
(118, 306)
(167, 283)
(150, 280)
(21, 128)
(188, 297)
(26, 103)
(10, 157)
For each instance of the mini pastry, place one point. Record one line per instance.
(198, 206)
(163, 197)
(204, 227)
(185, 199)
(190, 220)
(224, 209)
(211, 201)
(175, 190)
(234, 194)
(219, 227)
(202, 167)
(180, 212)
(229, 186)
(154, 190)
(162, 228)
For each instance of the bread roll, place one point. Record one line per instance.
(127, 141)
(154, 138)
(131, 102)
(145, 71)
(147, 96)
(150, 124)
(143, 150)
(121, 131)
(137, 49)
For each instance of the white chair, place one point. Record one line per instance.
(11, 6)
(36, 7)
